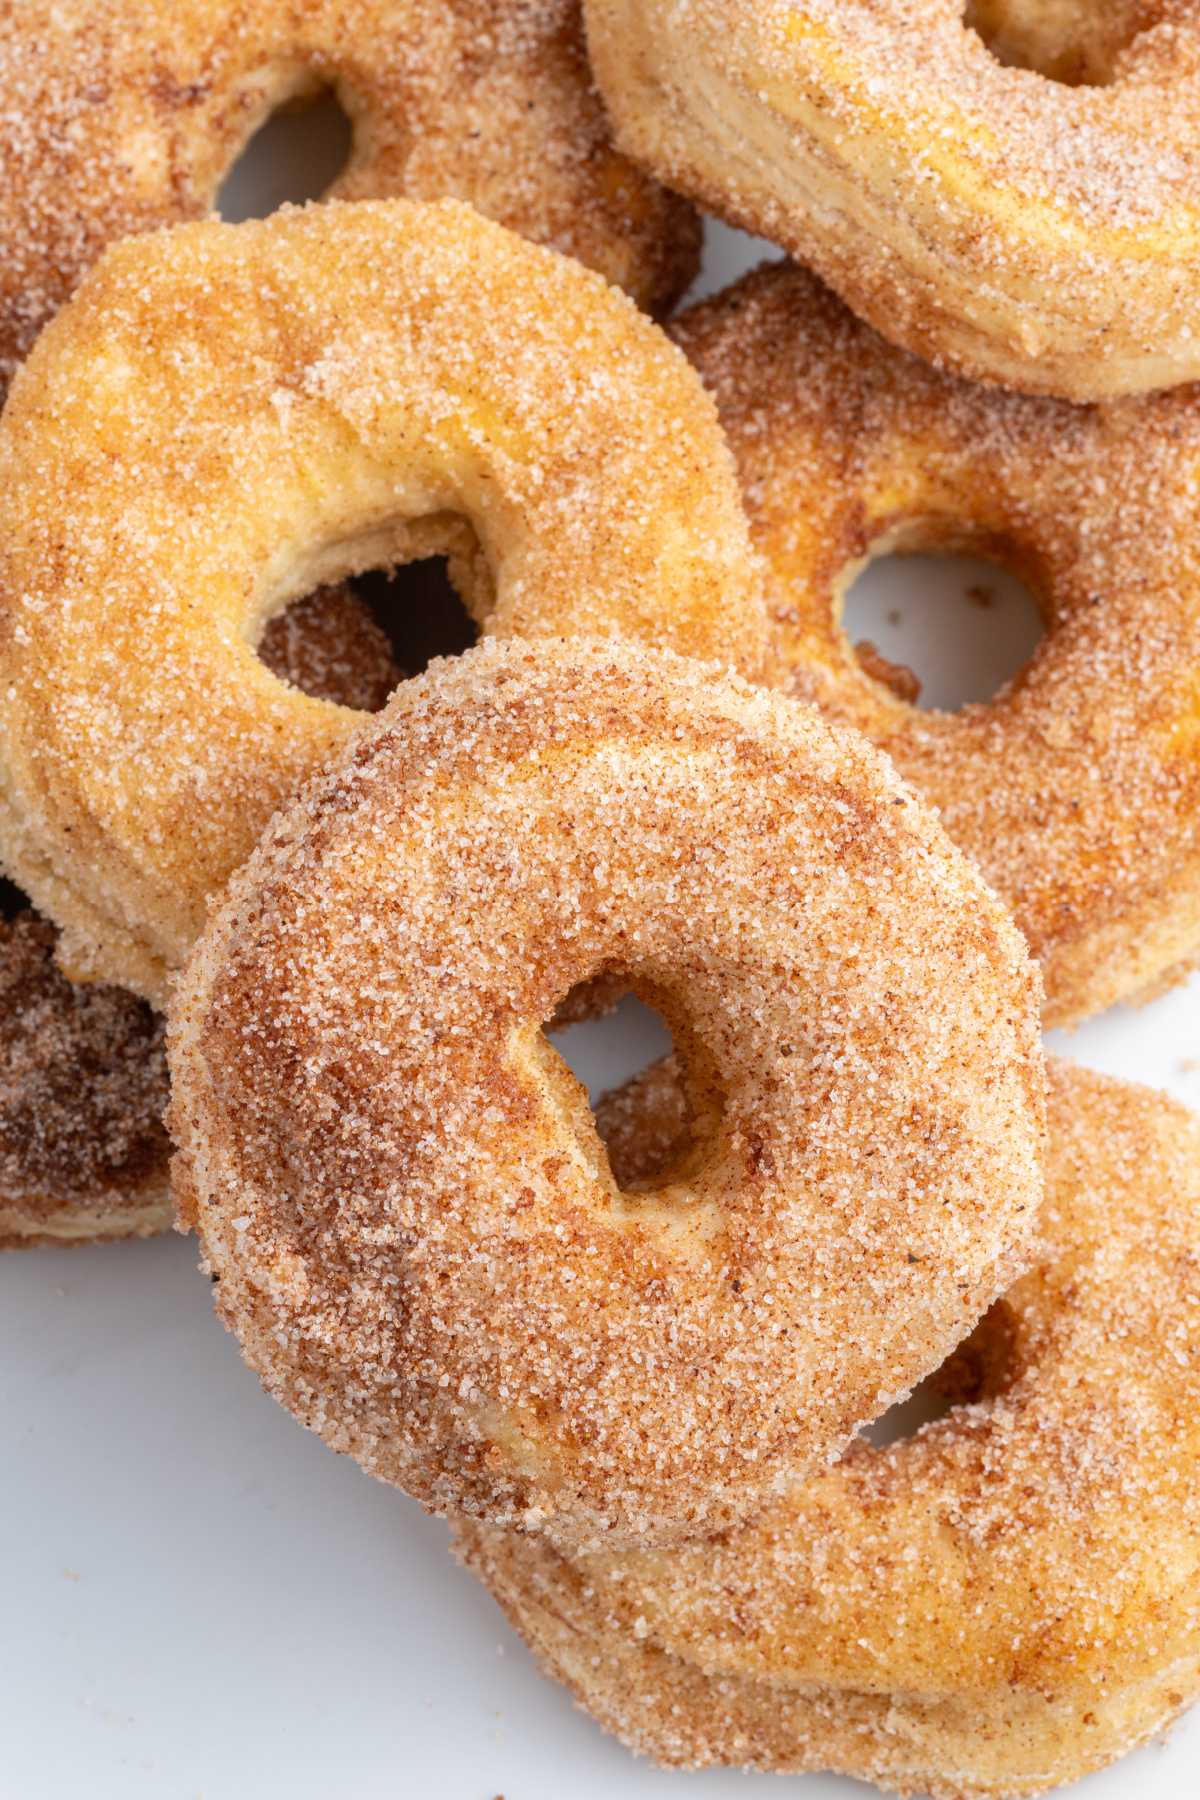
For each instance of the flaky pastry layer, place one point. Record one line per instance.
(995, 219)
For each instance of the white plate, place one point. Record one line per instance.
(201, 1602)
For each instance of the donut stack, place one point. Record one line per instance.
(631, 1352)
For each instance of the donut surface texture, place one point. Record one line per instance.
(1002, 224)
(124, 115)
(1076, 788)
(998, 1605)
(84, 1154)
(83, 1085)
(398, 1181)
(226, 417)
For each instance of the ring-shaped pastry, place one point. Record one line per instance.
(84, 1155)
(998, 1605)
(1005, 225)
(1076, 788)
(398, 1182)
(125, 115)
(225, 417)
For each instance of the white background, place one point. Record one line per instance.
(201, 1602)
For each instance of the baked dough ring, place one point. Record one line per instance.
(83, 1085)
(227, 416)
(124, 115)
(997, 1605)
(1009, 227)
(1077, 787)
(398, 1181)
(84, 1155)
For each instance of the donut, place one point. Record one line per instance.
(1003, 224)
(84, 1155)
(225, 417)
(83, 1085)
(398, 1183)
(125, 115)
(994, 1606)
(1076, 788)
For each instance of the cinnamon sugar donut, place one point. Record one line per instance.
(997, 221)
(398, 1182)
(227, 416)
(998, 1605)
(1077, 787)
(84, 1154)
(83, 1084)
(124, 115)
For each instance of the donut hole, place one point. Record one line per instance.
(939, 631)
(1078, 43)
(12, 900)
(295, 155)
(352, 641)
(420, 611)
(981, 1367)
(606, 1035)
(328, 644)
(656, 1102)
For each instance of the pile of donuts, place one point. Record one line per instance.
(292, 930)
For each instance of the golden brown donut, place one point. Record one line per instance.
(1077, 787)
(124, 115)
(225, 417)
(995, 1606)
(84, 1154)
(999, 222)
(398, 1182)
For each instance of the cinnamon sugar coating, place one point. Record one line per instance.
(420, 1242)
(1076, 789)
(328, 645)
(994, 219)
(124, 115)
(996, 1606)
(643, 1124)
(225, 417)
(83, 1085)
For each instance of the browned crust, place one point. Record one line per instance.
(420, 1242)
(125, 115)
(1077, 788)
(995, 1606)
